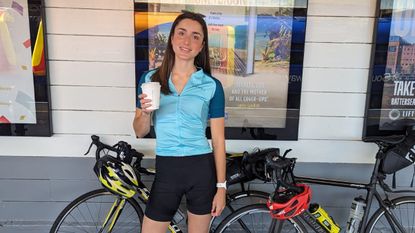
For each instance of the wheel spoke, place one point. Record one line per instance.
(92, 218)
(235, 201)
(86, 214)
(256, 219)
(403, 213)
(77, 221)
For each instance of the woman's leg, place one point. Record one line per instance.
(198, 223)
(165, 195)
(199, 198)
(151, 226)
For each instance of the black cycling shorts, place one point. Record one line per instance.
(192, 176)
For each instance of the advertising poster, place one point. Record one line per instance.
(17, 102)
(398, 100)
(249, 48)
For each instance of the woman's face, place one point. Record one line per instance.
(187, 39)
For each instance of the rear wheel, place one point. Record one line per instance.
(256, 218)
(238, 200)
(88, 213)
(402, 209)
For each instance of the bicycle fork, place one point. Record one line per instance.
(113, 214)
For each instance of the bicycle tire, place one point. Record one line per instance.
(87, 213)
(231, 206)
(262, 222)
(249, 193)
(404, 211)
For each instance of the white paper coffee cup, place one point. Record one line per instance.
(152, 90)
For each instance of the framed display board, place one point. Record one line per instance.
(390, 104)
(24, 89)
(256, 50)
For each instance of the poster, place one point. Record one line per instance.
(250, 53)
(24, 87)
(391, 91)
(17, 100)
(398, 100)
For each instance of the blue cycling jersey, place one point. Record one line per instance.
(181, 120)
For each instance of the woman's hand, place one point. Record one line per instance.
(219, 202)
(145, 104)
(142, 119)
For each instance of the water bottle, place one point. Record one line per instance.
(323, 218)
(356, 214)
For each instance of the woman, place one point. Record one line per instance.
(185, 163)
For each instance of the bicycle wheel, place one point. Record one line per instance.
(403, 210)
(88, 213)
(256, 218)
(240, 198)
(237, 200)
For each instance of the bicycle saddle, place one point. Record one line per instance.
(393, 139)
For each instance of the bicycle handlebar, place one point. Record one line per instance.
(282, 167)
(123, 150)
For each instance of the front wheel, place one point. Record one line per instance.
(402, 209)
(89, 212)
(256, 218)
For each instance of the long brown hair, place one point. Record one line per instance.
(162, 74)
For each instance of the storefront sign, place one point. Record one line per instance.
(391, 97)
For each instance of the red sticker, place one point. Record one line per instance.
(4, 120)
(27, 44)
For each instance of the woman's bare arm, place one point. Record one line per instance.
(217, 127)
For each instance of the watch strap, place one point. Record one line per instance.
(221, 185)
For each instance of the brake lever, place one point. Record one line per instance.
(92, 143)
(286, 152)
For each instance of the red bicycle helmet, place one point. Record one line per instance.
(285, 203)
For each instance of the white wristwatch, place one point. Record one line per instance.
(221, 185)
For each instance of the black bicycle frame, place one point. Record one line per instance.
(370, 190)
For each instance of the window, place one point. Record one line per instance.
(252, 49)
(24, 103)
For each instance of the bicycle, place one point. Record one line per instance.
(393, 215)
(102, 211)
